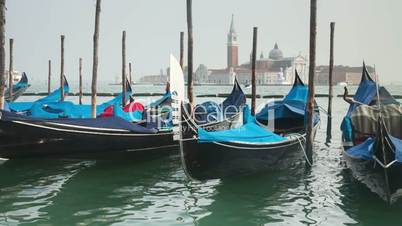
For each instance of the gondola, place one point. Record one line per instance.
(18, 89)
(250, 148)
(372, 139)
(25, 136)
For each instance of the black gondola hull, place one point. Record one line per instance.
(31, 139)
(372, 175)
(203, 161)
(19, 139)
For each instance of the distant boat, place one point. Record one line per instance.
(18, 89)
(343, 84)
(247, 86)
(16, 76)
(159, 84)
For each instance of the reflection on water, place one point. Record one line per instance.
(129, 191)
(156, 192)
(26, 192)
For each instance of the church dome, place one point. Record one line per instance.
(276, 53)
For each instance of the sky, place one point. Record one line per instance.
(369, 30)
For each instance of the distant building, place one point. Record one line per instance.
(274, 69)
(232, 47)
(349, 75)
(155, 79)
(201, 74)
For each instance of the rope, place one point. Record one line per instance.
(188, 139)
(324, 111)
(304, 151)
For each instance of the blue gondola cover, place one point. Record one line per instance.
(292, 106)
(211, 111)
(364, 150)
(398, 148)
(52, 97)
(250, 132)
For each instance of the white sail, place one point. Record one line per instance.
(176, 81)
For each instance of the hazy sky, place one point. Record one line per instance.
(365, 29)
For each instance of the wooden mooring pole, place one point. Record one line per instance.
(2, 52)
(123, 69)
(190, 52)
(10, 70)
(311, 93)
(95, 59)
(253, 83)
(330, 85)
(182, 50)
(129, 73)
(62, 68)
(80, 81)
(49, 75)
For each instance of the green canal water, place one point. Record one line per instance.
(124, 190)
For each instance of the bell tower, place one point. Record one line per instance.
(233, 46)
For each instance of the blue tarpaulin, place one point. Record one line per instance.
(128, 116)
(366, 94)
(398, 148)
(68, 109)
(210, 111)
(52, 97)
(250, 132)
(165, 99)
(364, 150)
(292, 106)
